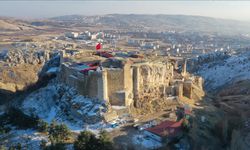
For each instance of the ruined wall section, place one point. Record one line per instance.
(88, 85)
(66, 74)
(115, 82)
(111, 84)
(150, 82)
(128, 84)
(120, 85)
(93, 85)
(187, 89)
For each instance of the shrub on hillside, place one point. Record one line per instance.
(42, 126)
(88, 141)
(58, 133)
(16, 117)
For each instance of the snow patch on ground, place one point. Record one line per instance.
(29, 139)
(40, 103)
(51, 115)
(52, 70)
(146, 142)
(119, 107)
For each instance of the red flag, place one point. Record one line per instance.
(98, 46)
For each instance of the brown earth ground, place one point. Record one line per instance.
(235, 102)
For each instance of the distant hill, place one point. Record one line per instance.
(160, 22)
(133, 22)
(10, 24)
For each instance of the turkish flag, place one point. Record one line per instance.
(98, 46)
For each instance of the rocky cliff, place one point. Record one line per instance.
(22, 68)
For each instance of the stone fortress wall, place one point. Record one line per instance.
(131, 84)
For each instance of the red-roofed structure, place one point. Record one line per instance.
(166, 129)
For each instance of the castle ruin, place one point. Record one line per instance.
(125, 81)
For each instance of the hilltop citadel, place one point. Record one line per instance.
(127, 80)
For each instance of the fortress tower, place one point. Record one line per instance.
(184, 68)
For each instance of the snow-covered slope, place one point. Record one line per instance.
(62, 103)
(223, 71)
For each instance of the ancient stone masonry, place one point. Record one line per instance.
(92, 85)
(179, 89)
(150, 81)
(184, 68)
(123, 82)
(187, 89)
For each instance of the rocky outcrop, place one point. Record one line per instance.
(19, 77)
(17, 56)
(22, 68)
(11, 87)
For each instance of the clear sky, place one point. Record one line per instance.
(239, 10)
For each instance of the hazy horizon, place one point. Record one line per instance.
(235, 10)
